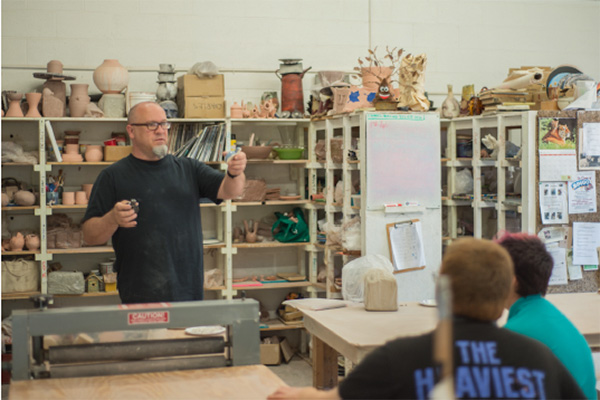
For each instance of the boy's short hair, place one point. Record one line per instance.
(533, 264)
(481, 274)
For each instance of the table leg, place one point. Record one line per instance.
(325, 367)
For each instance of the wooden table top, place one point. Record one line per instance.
(246, 382)
(354, 332)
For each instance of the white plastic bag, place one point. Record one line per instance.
(464, 181)
(353, 273)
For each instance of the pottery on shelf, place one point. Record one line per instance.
(68, 198)
(79, 99)
(32, 241)
(87, 188)
(93, 153)
(111, 77)
(251, 231)
(450, 107)
(166, 91)
(5, 199)
(24, 198)
(372, 76)
(14, 109)
(17, 242)
(33, 100)
(80, 197)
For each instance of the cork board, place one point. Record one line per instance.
(591, 279)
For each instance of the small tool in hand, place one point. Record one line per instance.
(231, 154)
(135, 205)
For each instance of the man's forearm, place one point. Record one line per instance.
(98, 230)
(232, 187)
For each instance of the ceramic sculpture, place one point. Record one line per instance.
(17, 242)
(14, 108)
(111, 77)
(54, 92)
(32, 241)
(450, 107)
(33, 100)
(167, 91)
(79, 99)
(412, 83)
(290, 73)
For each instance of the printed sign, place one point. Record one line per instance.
(148, 317)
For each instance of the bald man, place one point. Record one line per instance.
(158, 245)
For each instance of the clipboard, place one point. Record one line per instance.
(405, 242)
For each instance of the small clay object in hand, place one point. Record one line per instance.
(135, 205)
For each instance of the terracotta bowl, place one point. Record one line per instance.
(72, 157)
(257, 152)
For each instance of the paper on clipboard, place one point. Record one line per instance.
(50, 132)
(406, 245)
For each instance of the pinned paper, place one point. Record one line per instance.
(559, 271)
(589, 146)
(582, 193)
(586, 240)
(553, 202)
(553, 234)
(558, 165)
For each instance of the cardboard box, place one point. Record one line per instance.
(115, 153)
(202, 107)
(270, 354)
(192, 86)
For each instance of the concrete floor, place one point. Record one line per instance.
(298, 372)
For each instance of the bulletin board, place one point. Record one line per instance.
(591, 279)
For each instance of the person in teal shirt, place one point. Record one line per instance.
(532, 315)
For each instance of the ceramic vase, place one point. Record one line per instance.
(93, 153)
(33, 100)
(32, 242)
(450, 106)
(17, 242)
(236, 111)
(111, 77)
(79, 99)
(14, 109)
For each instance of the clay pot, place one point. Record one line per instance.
(24, 198)
(80, 198)
(33, 99)
(93, 153)
(5, 200)
(79, 99)
(72, 148)
(32, 242)
(111, 77)
(54, 67)
(14, 109)
(87, 188)
(6, 245)
(17, 242)
(236, 111)
(68, 198)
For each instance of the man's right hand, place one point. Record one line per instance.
(124, 215)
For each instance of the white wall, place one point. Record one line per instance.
(466, 41)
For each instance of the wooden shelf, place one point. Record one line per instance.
(81, 163)
(277, 325)
(99, 294)
(298, 162)
(20, 253)
(264, 245)
(17, 164)
(271, 202)
(20, 208)
(281, 285)
(18, 296)
(83, 250)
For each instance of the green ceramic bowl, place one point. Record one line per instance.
(289, 153)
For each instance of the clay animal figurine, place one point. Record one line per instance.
(17, 242)
(251, 232)
(385, 99)
(32, 241)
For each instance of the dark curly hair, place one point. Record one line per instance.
(533, 264)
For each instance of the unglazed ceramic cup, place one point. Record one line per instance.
(68, 198)
(87, 188)
(80, 197)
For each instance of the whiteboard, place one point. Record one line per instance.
(403, 155)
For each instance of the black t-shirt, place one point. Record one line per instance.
(489, 362)
(160, 259)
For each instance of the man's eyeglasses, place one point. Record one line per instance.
(152, 126)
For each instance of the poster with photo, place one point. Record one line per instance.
(589, 146)
(557, 133)
(553, 203)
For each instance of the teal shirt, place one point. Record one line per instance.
(537, 318)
